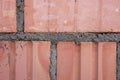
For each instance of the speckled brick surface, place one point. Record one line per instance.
(72, 16)
(87, 61)
(8, 16)
(24, 60)
(111, 7)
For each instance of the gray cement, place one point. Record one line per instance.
(53, 61)
(57, 37)
(20, 15)
(118, 61)
(77, 37)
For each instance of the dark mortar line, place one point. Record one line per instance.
(77, 37)
(20, 15)
(53, 61)
(118, 62)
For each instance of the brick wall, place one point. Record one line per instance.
(57, 40)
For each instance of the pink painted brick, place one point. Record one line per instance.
(66, 61)
(4, 65)
(33, 58)
(49, 16)
(61, 15)
(87, 61)
(110, 15)
(24, 60)
(36, 14)
(98, 16)
(8, 21)
(87, 16)
(72, 16)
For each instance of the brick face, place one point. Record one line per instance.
(36, 14)
(4, 65)
(24, 60)
(8, 16)
(72, 16)
(87, 61)
(67, 60)
(61, 15)
(30, 60)
(49, 15)
(111, 15)
(88, 16)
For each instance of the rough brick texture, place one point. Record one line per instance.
(24, 60)
(8, 16)
(72, 16)
(87, 61)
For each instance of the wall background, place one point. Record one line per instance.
(57, 37)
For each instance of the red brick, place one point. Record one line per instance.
(4, 64)
(87, 61)
(88, 52)
(61, 15)
(65, 61)
(21, 61)
(98, 16)
(72, 16)
(24, 60)
(110, 16)
(37, 60)
(36, 14)
(7, 60)
(49, 15)
(88, 15)
(11, 58)
(107, 61)
(41, 64)
(8, 16)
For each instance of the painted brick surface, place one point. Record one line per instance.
(36, 14)
(87, 61)
(49, 15)
(110, 15)
(4, 59)
(24, 60)
(8, 16)
(61, 15)
(88, 16)
(72, 16)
